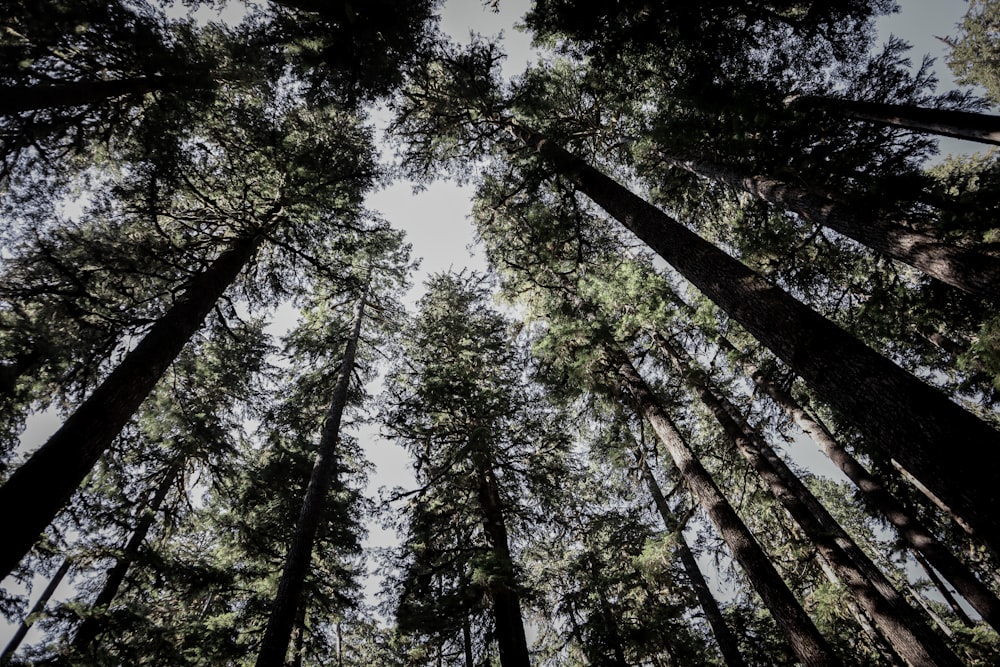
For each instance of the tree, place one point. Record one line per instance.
(483, 447)
(288, 189)
(975, 57)
(288, 599)
(967, 125)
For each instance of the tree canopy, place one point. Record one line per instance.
(716, 238)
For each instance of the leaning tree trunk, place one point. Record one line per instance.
(803, 637)
(965, 268)
(724, 637)
(909, 636)
(92, 625)
(907, 525)
(512, 642)
(968, 125)
(16, 99)
(37, 608)
(286, 602)
(44, 483)
(956, 608)
(947, 448)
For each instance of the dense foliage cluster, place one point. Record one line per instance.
(714, 241)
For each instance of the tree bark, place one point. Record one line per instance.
(947, 448)
(726, 640)
(92, 625)
(286, 602)
(511, 640)
(907, 525)
(41, 486)
(37, 608)
(17, 99)
(965, 268)
(943, 590)
(909, 636)
(467, 641)
(803, 637)
(968, 125)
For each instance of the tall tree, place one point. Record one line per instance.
(288, 598)
(282, 162)
(483, 447)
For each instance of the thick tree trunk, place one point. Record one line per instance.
(286, 602)
(968, 125)
(964, 268)
(511, 640)
(16, 99)
(803, 637)
(46, 481)
(947, 448)
(92, 625)
(37, 608)
(908, 526)
(878, 641)
(909, 636)
(726, 640)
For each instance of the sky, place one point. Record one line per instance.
(437, 222)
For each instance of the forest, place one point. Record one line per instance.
(720, 240)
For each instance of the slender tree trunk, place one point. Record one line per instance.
(467, 641)
(943, 590)
(37, 608)
(949, 449)
(726, 640)
(41, 486)
(803, 637)
(964, 268)
(968, 125)
(15, 99)
(286, 602)
(910, 638)
(908, 526)
(608, 619)
(935, 499)
(91, 626)
(511, 640)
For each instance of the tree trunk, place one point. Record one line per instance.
(803, 637)
(608, 619)
(908, 526)
(274, 645)
(965, 268)
(37, 608)
(45, 482)
(467, 641)
(511, 640)
(968, 125)
(878, 641)
(92, 625)
(16, 99)
(726, 640)
(909, 636)
(949, 449)
(943, 590)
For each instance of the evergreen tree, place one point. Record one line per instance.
(484, 447)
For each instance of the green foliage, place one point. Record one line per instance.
(975, 51)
